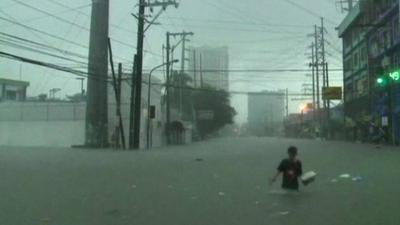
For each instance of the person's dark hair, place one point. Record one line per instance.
(292, 150)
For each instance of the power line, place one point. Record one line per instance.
(51, 35)
(85, 14)
(238, 22)
(44, 45)
(309, 11)
(216, 28)
(44, 32)
(259, 70)
(76, 25)
(28, 45)
(10, 44)
(221, 91)
(32, 19)
(50, 65)
(230, 11)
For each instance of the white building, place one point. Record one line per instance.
(209, 66)
(156, 124)
(13, 90)
(266, 112)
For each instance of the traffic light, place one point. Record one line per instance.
(388, 78)
(381, 81)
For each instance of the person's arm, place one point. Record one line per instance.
(273, 179)
(280, 169)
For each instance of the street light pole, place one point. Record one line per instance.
(81, 79)
(149, 95)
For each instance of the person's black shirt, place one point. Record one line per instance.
(291, 171)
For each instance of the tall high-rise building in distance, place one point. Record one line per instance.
(208, 66)
(266, 112)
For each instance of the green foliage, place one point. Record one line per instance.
(195, 99)
(219, 103)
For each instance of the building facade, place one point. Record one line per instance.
(371, 49)
(209, 66)
(266, 112)
(13, 90)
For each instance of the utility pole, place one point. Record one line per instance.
(121, 124)
(323, 61)
(139, 75)
(316, 65)
(328, 101)
(143, 4)
(117, 90)
(183, 60)
(201, 71)
(167, 131)
(81, 79)
(96, 134)
(313, 77)
(287, 102)
(132, 105)
(316, 45)
(168, 95)
(194, 68)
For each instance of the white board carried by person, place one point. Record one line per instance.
(308, 178)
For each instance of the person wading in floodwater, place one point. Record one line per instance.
(291, 169)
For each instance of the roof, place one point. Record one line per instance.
(349, 19)
(14, 82)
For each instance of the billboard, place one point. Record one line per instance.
(332, 93)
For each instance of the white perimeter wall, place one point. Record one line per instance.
(40, 133)
(62, 124)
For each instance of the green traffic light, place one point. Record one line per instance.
(380, 80)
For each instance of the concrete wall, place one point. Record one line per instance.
(39, 133)
(63, 123)
(42, 111)
(59, 124)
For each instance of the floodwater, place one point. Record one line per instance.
(171, 186)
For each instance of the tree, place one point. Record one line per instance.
(195, 100)
(218, 103)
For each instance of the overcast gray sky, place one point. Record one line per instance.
(260, 34)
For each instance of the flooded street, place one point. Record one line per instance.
(222, 181)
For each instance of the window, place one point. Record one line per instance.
(356, 35)
(11, 95)
(396, 60)
(348, 66)
(363, 56)
(395, 28)
(356, 60)
(347, 40)
(374, 46)
(348, 92)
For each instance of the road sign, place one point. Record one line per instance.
(332, 93)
